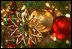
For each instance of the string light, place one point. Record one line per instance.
(53, 37)
(51, 11)
(20, 24)
(1, 47)
(50, 36)
(47, 4)
(67, 15)
(67, 41)
(2, 23)
(34, 30)
(56, 9)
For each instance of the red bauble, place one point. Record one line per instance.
(62, 27)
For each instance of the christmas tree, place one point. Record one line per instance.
(35, 24)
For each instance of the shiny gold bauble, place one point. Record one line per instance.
(42, 21)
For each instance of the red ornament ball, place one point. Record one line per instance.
(62, 27)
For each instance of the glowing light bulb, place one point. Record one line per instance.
(67, 41)
(2, 23)
(51, 11)
(34, 30)
(1, 47)
(47, 4)
(20, 24)
(54, 38)
(51, 37)
(56, 9)
(67, 15)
